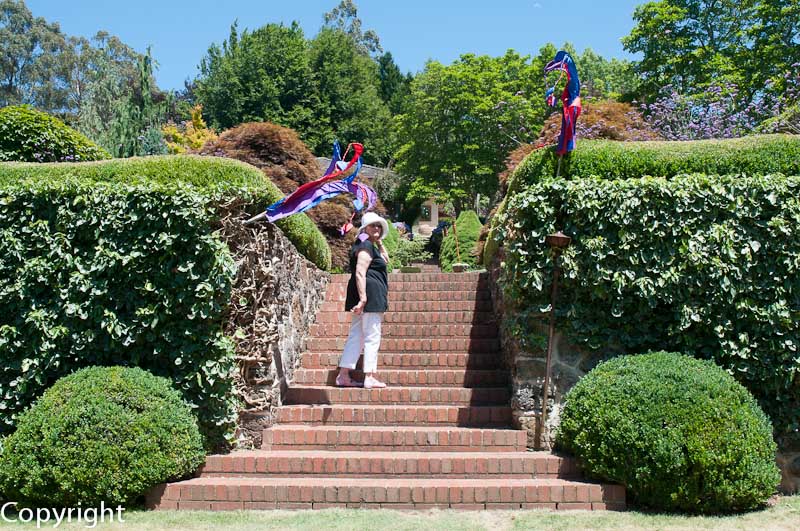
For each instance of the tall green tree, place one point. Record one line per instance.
(395, 87)
(87, 62)
(263, 75)
(348, 84)
(603, 78)
(344, 17)
(30, 70)
(693, 44)
(123, 111)
(463, 119)
(776, 42)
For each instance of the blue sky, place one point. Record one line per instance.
(180, 31)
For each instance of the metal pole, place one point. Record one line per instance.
(550, 335)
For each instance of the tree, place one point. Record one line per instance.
(394, 87)
(691, 44)
(344, 17)
(351, 108)
(463, 119)
(776, 43)
(264, 75)
(125, 115)
(87, 63)
(606, 79)
(29, 68)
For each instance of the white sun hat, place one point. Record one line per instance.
(371, 217)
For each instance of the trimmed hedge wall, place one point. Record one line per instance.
(219, 178)
(699, 264)
(34, 136)
(606, 159)
(679, 433)
(468, 227)
(117, 264)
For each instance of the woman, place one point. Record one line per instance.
(367, 298)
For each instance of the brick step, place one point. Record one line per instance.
(415, 345)
(340, 316)
(388, 360)
(343, 278)
(393, 438)
(411, 377)
(418, 306)
(231, 493)
(405, 415)
(333, 295)
(476, 331)
(262, 463)
(412, 286)
(461, 396)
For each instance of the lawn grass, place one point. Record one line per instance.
(783, 516)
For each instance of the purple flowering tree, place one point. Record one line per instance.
(719, 112)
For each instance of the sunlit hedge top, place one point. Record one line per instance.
(34, 136)
(220, 177)
(202, 172)
(755, 155)
(608, 159)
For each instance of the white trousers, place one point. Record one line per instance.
(365, 333)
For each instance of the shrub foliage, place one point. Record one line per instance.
(102, 434)
(28, 135)
(757, 155)
(468, 229)
(280, 154)
(116, 263)
(602, 119)
(699, 264)
(108, 275)
(679, 433)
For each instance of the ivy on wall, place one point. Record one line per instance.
(706, 265)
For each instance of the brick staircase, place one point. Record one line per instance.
(439, 436)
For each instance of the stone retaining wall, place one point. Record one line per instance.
(274, 302)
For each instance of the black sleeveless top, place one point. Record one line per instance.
(377, 280)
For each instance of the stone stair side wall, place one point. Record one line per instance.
(527, 367)
(275, 298)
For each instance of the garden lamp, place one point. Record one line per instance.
(557, 242)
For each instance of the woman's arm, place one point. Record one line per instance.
(383, 251)
(364, 259)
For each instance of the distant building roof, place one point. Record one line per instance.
(368, 173)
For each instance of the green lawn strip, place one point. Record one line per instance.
(784, 515)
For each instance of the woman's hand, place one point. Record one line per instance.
(358, 309)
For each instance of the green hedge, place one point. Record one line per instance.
(468, 227)
(391, 241)
(113, 275)
(101, 434)
(677, 432)
(117, 264)
(34, 136)
(219, 178)
(754, 155)
(707, 265)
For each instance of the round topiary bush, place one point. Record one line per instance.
(100, 434)
(28, 135)
(679, 433)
